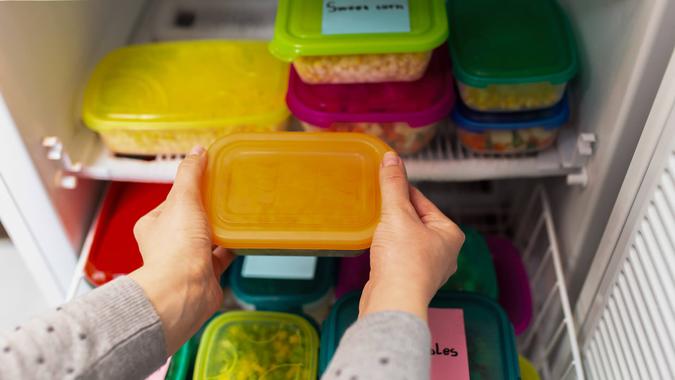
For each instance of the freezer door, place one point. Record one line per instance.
(627, 305)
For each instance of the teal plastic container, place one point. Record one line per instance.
(286, 295)
(489, 335)
(475, 269)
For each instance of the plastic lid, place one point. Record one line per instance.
(114, 251)
(475, 270)
(418, 103)
(294, 190)
(183, 361)
(189, 84)
(258, 345)
(515, 295)
(549, 118)
(510, 42)
(298, 26)
(527, 370)
(489, 335)
(282, 294)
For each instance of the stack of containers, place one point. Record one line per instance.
(368, 70)
(512, 61)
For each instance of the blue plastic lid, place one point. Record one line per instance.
(475, 121)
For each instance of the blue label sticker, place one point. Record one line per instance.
(365, 16)
(279, 267)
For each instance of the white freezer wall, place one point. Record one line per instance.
(624, 49)
(46, 51)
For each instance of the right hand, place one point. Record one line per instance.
(414, 250)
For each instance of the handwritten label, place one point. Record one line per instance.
(279, 267)
(449, 355)
(365, 16)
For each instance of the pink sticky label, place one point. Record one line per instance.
(449, 356)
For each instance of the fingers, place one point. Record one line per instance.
(426, 210)
(393, 185)
(222, 258)
(189, 175)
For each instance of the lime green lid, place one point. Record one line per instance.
(475, 269)
(182, 362)
(510, 42)
(258, 345)
(297, 32)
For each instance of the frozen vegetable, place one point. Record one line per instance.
(511, 97)
(499, 141)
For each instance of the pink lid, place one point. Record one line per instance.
(418, 103)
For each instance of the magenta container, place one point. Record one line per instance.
(406, 115)
(353, 274)
(515, 295)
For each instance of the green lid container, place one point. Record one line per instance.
(489, 336)
(182, 362)
(282, 294)
(475, 269)
(258, 345)
(298, 32)
(510, 42)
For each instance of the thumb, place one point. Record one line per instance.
(393, 184)
(187, 183)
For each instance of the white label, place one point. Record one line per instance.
(365, 16)
(279, 267)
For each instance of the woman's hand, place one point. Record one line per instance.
(414, 249)
(181, 271)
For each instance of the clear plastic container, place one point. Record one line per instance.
(405, 115)
(294, 193)
(258, 345)
(511, 56)
(165, 98)
(311, 296)
(357, 57)
(503, 133)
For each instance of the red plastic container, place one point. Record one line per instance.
(405, 115)
(353, 273)
(114, 251)
(515, 295)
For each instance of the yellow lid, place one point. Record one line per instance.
(187, 84)
(290, 190)
(527, 370)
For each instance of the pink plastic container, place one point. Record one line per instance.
(515, 295)
(353, 274)
(405, 115)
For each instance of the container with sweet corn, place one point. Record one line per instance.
(351, 56)
(165, 98)
(511, 56)
(405, 115)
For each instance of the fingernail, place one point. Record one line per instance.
(197, 150)
(390, 159)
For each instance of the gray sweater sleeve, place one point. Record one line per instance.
(113, 332)
(385, 345)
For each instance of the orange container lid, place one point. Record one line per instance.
(290, 190)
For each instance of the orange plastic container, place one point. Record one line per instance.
(294, 193)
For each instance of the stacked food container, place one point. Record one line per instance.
(380, 72)
(512, 61)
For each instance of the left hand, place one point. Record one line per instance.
(181, 270)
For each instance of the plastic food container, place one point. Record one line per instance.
(527, 370)
(353, 274)
(294, 193)
(475, 270)
(405, 115)
(521, 132)
(511, 56)
(515, 295)
(312, 296)
(489, 335)
(114, 251)
(358, 46)
(165, 98)
(258, 345)
(183, 361)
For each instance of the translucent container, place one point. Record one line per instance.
(475, 270)
(294, 193)
(511, 56)
(165, 98)
(114, 251)
(311, 296)
(405, 115)
(515, 295)
(527, 370)
(357, 56)
(489, 337)
(183, 361)
(352, 274)
(258, 345)
(503, 133)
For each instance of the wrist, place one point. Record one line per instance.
(395, 297)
